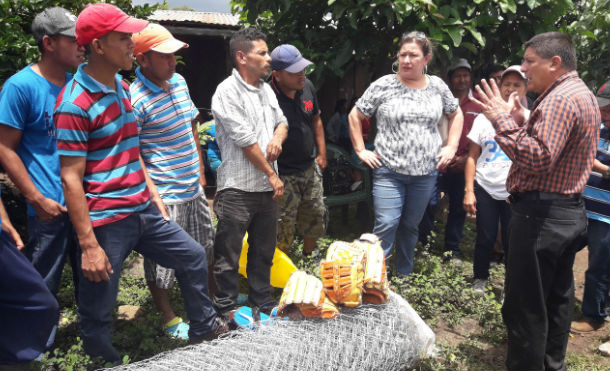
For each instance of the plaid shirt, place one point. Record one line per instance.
(554, 150)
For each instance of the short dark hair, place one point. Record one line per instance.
(242, 40)
(420, 39)
(550, 44)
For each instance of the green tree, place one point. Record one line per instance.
(17, 46)
(338, 33)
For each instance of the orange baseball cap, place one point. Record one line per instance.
(157, 38)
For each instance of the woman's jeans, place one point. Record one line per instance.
(489, 212)
(400, 202)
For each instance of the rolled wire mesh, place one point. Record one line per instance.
(371, 337)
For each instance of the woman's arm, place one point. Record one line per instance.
(456, 120)
(355, 119)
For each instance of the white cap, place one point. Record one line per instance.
(515, 68)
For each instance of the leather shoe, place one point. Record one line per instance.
(583, 326)
(223, 327)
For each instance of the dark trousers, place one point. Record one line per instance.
(453, 184)
(239, 212)
(28, 310)
(544, 236)
(426, 226)
(597, 277)
(489, 212)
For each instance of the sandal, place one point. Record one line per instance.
(176, 328)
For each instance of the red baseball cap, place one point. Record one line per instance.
(96, 20)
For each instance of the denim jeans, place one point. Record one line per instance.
(239, 212)
(453, 184)
(426, 226)
(28, 310)
(49, 244)
(489, 212)
(544, 236)
(597, 277)
(164, 242)
(400, 202)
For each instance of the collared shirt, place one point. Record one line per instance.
(27, 101)
(298, 150)
(97, 122)
(597, 191)
(554, 150)
(244, 115)
(167, 144)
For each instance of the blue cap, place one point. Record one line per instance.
(287, 57)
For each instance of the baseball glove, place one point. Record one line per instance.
(342, 274)
(376, 287)
(303, 297)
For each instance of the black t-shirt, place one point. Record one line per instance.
(298, 150)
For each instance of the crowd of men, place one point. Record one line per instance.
(108, 168)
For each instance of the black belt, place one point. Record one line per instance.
(541, 196)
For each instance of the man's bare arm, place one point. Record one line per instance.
(202, 181)
(7, 226)
(318, 131)
(254, 154)
(46, 208)
(274, 148)
(95, 263)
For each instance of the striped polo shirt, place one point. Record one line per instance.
(166, 136)
(597, 191)
(98, 123)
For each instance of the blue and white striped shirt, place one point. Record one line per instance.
(597, 190)
(167, 144)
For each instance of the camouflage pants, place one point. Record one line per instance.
(302, 207)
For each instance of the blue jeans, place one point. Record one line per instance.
(28, 310)
(426, 226)
(453, 184)
(49, 244)
(597, 277)
(400, 202)
(489, 212)
(164, 242)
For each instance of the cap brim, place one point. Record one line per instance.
(131, 25)
(299, 66)
(71, 32)
(603, 102)
(170, 46)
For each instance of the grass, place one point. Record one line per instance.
(469, 328)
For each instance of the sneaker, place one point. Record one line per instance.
(605, 349)
(584, 326)
(176, 328)
(479, 286)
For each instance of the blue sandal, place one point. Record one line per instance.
(176, 328)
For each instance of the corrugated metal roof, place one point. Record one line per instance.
(192, 17)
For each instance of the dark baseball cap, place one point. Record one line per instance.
(287, 57)
(603, 95)
(53, 21)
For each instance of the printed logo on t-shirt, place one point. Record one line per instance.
(307, 105)
(48, 122)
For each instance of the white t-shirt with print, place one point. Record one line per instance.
(493, 164)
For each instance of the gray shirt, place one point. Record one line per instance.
(408, 139)
(244, 115)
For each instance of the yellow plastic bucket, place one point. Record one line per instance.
(281, 269)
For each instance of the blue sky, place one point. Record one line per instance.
(219, 6)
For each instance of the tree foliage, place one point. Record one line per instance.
(17, 46)
(337, 33)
